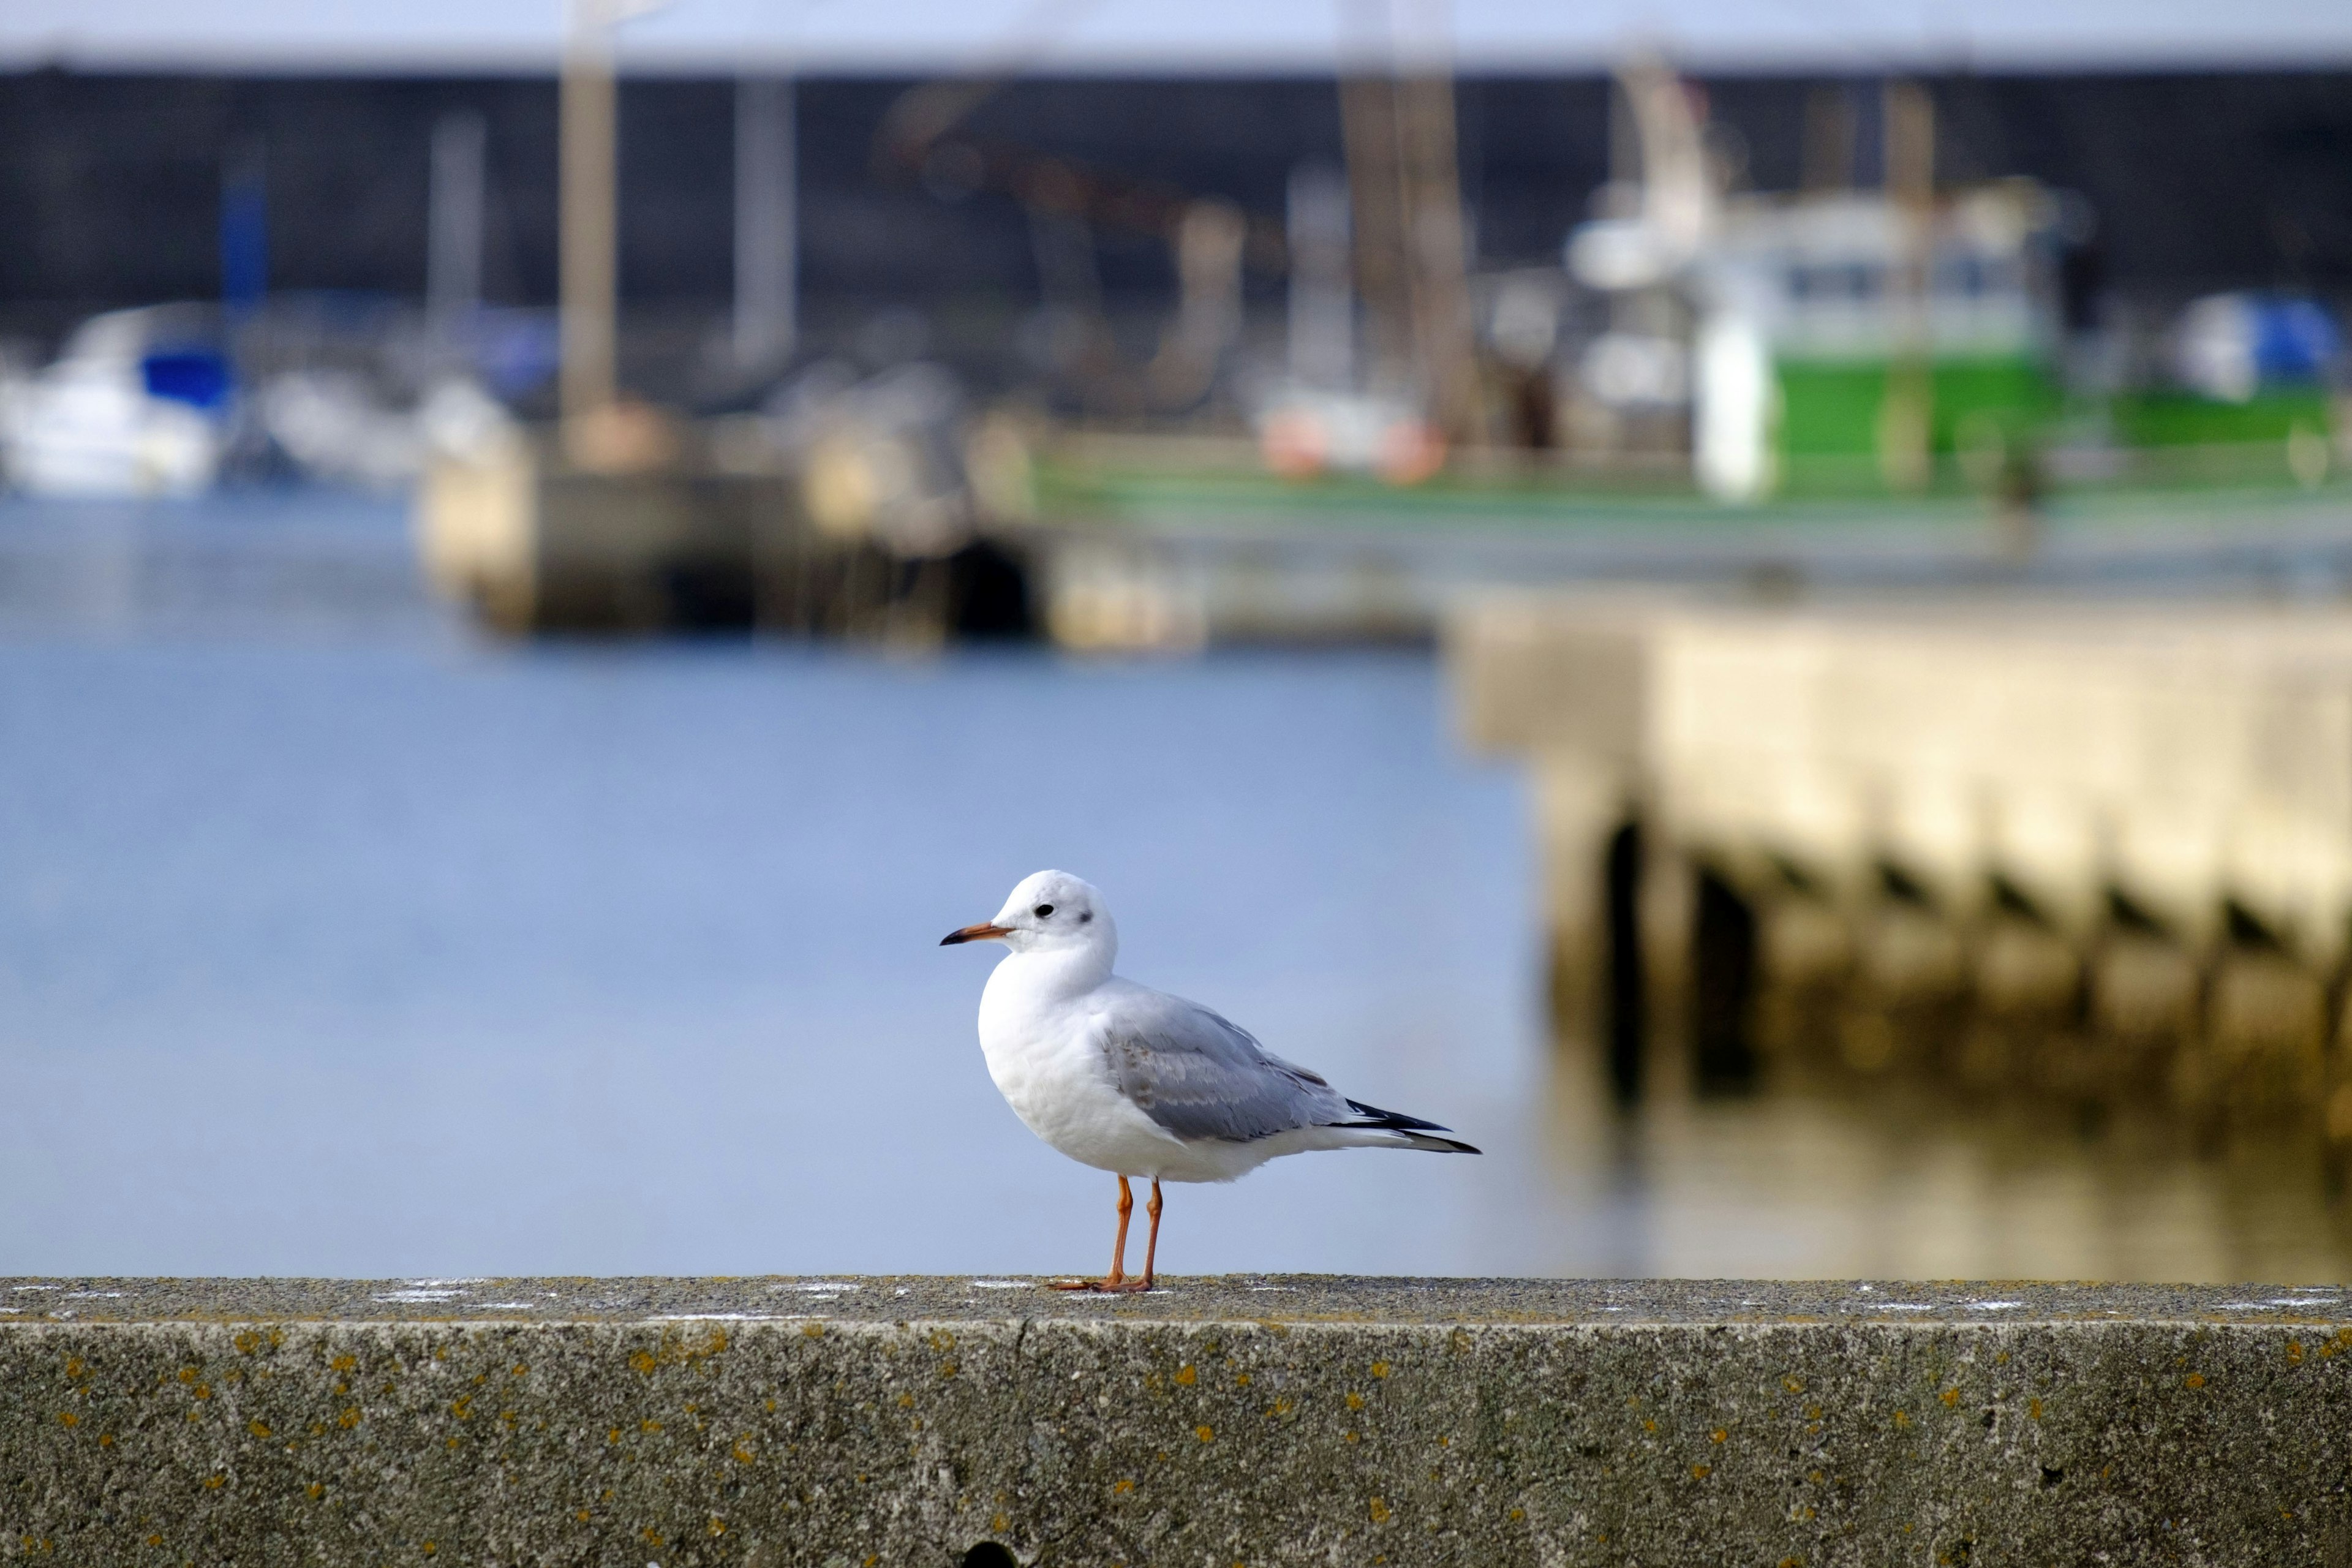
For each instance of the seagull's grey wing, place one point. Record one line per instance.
(1199, 1076)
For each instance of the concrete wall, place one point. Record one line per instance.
(912, 1421)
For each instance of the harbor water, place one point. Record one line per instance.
(337, 939)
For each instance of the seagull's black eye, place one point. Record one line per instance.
(1042, 911)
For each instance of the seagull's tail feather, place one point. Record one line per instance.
(1411, 1131)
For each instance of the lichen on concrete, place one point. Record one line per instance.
(878, 1420)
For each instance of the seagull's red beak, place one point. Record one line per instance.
(982, 933)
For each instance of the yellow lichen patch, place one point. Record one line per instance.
(106, 1439)
(1951, 1398)
(1240, 1380)
(649, 1425)
(1518, 1513)
(1355, 1400)
(675, 1350)
(215, 1482)
(1793, 1385)
(1120, 1489)
(1792, 1562)
(2195, 1380)
(2294, 1351)
(942, 1341)
(430, 1548)
(349, 1418)
(154, 1540)
(1379, 1369)
(1186, 1375)
(203, 1391)
(187, 1374)
(905, 1402)
(1205, 1433)
(1700, 1472)
(315, 1490)
(1000, 1524)
(813, 1331)
(1281, 1408)
(1648, 1425)
(584, 1516)
(2034, 1409)
(463, 1408)
(74, 1368)
(258, 1428)
(246, 1342)
(613, 1435)
(946, 1369)
(1718, 1434)
(1380, 1512)
(1903, 1419)
(743, 1451)
(718, 1527)
(341, 1363)
(520, 1370)
(69, 1418)
(652, 1536)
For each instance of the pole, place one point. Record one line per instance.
(1322, 306)
(1907, 418)
(588, 264)
(453, 251)
(767, 227)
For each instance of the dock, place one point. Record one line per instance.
(2058, 846)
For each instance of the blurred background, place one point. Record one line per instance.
(1750, 607)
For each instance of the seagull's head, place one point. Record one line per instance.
(1050, 911)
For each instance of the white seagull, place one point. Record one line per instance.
(1139, 1083)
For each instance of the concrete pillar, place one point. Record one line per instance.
(1723, 984)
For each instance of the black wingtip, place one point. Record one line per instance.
(1392, 1120)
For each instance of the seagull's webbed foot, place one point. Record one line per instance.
(1118, 1282)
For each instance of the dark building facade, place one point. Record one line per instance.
(110, 185)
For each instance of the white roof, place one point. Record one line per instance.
(1859, 36)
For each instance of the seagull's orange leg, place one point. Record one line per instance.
(1151, 1246)
(1117, 1278)
(1151, 1242)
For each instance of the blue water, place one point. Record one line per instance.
(425, 954)
(337, 939)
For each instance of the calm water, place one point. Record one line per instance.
(336, 941)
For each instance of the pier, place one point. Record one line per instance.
(2095, 851)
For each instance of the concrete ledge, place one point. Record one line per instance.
(905, 1421)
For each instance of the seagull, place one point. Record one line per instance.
(1139, 1083)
